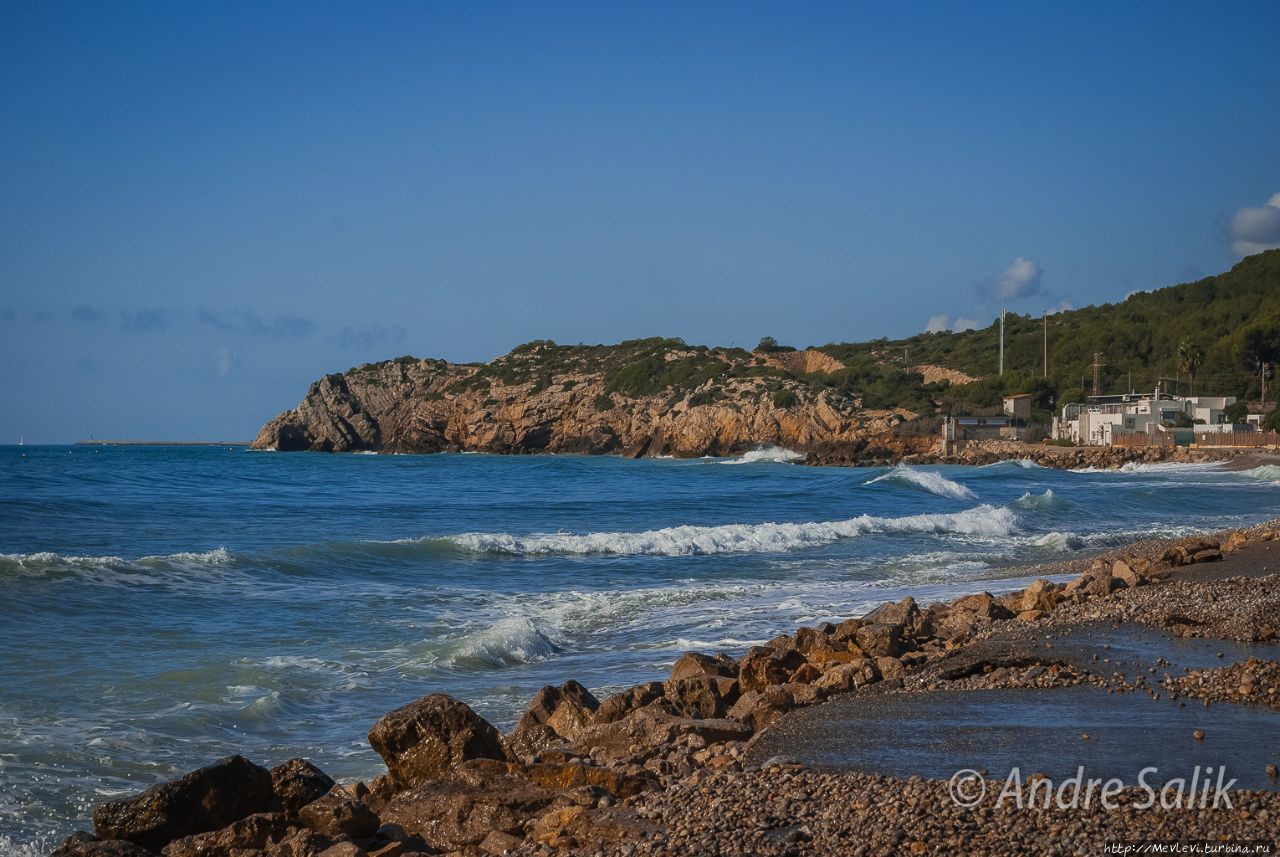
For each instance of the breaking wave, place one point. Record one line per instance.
(1024, 463)
(925, 480)
(773, 454)
(513, 640)
(1047, 500)
(111, 569)
(1061, 541)
(982, 521)
(1264, 473)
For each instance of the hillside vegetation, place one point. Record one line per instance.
(1232, 318)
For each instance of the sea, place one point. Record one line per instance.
(162, 607)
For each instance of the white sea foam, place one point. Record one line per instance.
(1152, 467)
(769, 454)
(32, 848)
(925, 480)
(981, 521)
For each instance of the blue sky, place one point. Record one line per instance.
(204, 207)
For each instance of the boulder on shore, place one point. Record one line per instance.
(555, 713)
(422, 740)
(206, 799)
(297, 783)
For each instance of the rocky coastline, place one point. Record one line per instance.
(696, 402)
(685, 766)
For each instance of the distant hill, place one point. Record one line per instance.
(859, 401)
(1234, 318)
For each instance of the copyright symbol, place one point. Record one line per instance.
(967, 788)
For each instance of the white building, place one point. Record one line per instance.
(1092, 423)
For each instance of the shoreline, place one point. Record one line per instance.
(581, 775)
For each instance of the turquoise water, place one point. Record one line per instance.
(162, 607)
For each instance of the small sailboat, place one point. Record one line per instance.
(20, 441)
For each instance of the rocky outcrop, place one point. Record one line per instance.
(648, 398)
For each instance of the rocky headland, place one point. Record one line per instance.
(654, 397)
(643, 398)
(697, 763)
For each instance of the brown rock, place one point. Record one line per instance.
(297, 783)
(1101, 583)
(303, 842)
(463, 807)
(983, 606)
(692, 664)
(1123, 572)
(825, 657)
(847, 677)
(423, 739)
(1030, 615)
(256, 832)
(763, 666)
(701, 696)
(1040, 595)
(87, 845)
(650, 730)
(902, 614)
(556, 776)
(955, 624)
(554, 822)
(804, 694)
(741, 710)
(624, 702)
(807, 673)
(808, 639)
(206, 799)
(499, 844)
(556, 713)
(878, 639)
(338, 814)
(890, 667)
(846, 630)
(1234, 541)
(344, 849)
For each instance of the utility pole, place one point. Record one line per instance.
(1001, 340)
(1096, 366)
(1264, 373)
(1046, 342)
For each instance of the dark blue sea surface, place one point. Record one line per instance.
(161, 607)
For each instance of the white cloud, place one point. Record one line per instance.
(965, 324)
(938, 323)
(1020, 279)
(225, 363)
(1256, 229)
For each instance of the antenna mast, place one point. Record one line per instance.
(1002, 340)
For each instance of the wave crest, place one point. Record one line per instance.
(769, 454)
(982, 521)
(1047, 500)
(513, 640)
(925, 480)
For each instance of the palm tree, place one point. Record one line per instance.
(1190, 358)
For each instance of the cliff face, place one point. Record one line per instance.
(653, 397)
